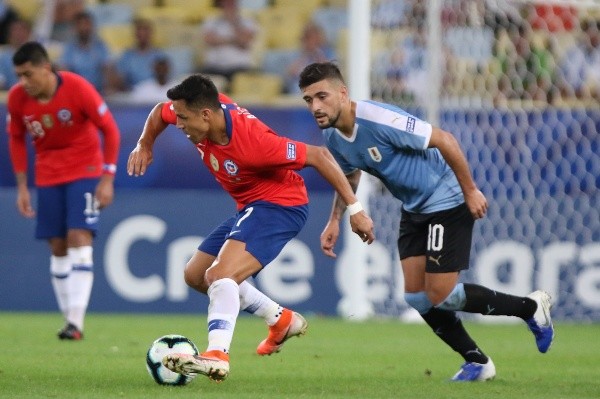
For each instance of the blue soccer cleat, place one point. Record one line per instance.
(472, 371)
(541, 322)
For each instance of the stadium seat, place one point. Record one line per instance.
(197, 10)
(28, 9)
(304, 7)
(117, 37)
(255, 87)
(282, 28)
(173, 33)
(159, 15)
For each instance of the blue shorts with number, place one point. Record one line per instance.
(66, 206)
(263, 226)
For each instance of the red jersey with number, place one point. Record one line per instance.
(64, 131)
(256, 164)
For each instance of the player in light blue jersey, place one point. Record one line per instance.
(425, 168)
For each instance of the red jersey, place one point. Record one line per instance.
(256, 164)
(64, 132)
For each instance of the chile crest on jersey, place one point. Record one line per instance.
(230, 167)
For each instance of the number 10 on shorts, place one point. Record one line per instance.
(435, 237)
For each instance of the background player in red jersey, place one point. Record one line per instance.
(74, 175)
(257, 168)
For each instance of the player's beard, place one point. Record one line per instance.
(331, 121)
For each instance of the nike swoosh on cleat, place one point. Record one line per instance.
(285, 335)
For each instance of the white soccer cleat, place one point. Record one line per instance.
(541, 322)
(214, 364)
(472, 371)
(290, 324)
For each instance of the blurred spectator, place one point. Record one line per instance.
(154, 89)
(86, 54)
(551, 17)
(313, 48)
(527, 70)
(580, 66)
(7, 16)
(19, 32)
(396, 89)
(501, 14)
(228, 38)
(136, 63)
(64, 16)
(390, 14)
(414, 49)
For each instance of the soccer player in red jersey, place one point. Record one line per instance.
(74, 174)
(257, 168)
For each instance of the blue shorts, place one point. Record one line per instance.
(66, 206)
(263, 226)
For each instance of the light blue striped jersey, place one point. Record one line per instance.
(391, 144)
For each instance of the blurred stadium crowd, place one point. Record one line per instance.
(494, 52)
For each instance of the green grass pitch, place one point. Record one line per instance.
(336, 359)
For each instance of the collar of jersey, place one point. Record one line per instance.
(352, 137)
(228, 122)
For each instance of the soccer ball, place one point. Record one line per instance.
(164, 345)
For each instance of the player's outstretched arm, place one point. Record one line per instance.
(323, 162)
(141, 156)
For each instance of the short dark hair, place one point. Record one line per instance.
(198, 91)
(318, 71)
(32, 52)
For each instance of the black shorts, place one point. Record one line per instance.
(444, 237)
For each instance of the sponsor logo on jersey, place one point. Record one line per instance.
(47, 121)
(291, 151)
(410, 124)
(230, 167)
(375, 154)
(64, 115)
(214, 163)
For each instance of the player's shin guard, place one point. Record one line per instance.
(80, 284)
(60, 269)
(482, 300)
(223, 310)
(446, 325)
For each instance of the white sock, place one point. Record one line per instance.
(255, 302)
(60, 268)
(80, 284)
(223, 310)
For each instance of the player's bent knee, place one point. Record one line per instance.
(455, 300)
(195, 279)
(419, 301)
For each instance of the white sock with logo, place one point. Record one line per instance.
(223, 310)
(255, 302)
(80, 284)
(60, 269)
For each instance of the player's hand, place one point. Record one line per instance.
(139, 160)
(476, 203)
(105, 191)
(24, 203)
(362, 225)
(329, 237)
